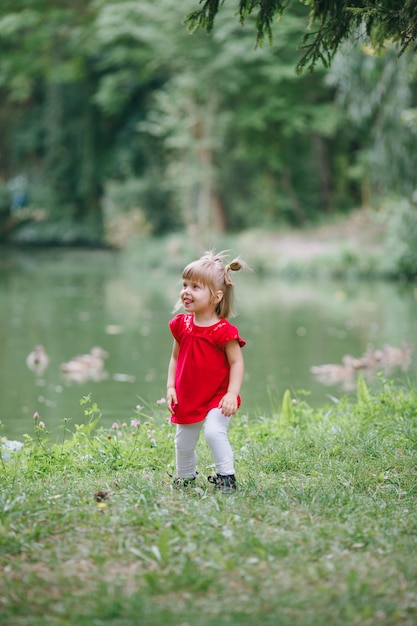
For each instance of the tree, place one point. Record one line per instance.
(394, 20)
(111, 106)
(376, 93)
(234, 124)
(45, 67)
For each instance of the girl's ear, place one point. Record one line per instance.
(218, 296)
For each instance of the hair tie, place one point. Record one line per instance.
(235, 266)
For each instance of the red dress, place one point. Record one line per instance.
(202, 374)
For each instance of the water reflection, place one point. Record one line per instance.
(65, 303)
(37, 360)
(372, 362)
(86, 367)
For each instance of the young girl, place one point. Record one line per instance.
(206, 368)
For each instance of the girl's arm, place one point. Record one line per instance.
(171, 397)
(228, 404)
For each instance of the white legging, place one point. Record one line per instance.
(215, 433)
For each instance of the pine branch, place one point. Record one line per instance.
(204, 17)
(336, 20)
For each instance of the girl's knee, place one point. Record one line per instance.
(214, 433)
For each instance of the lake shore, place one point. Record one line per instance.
(356, 245)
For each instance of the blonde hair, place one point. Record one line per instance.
(210, 270)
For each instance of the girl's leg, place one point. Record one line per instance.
(215, 433)
(185, 444)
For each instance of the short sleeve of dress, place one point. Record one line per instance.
(176, 326)
(226, 332)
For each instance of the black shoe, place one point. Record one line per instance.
(226, 484)
(183, 482)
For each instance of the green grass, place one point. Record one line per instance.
(323, 529)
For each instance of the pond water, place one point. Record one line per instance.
(70, 301)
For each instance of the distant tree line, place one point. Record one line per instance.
(114, 119)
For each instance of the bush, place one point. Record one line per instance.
(5, 200)
(401, 243)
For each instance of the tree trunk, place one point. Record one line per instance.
(319, 150)
(290, 191)
(210, 213)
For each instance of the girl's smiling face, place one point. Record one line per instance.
(196, 298)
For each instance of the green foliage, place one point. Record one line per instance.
(131, 97)
(55, 231)
(5, 200)
(401, 241)
(287, 413)
(336, 22)
(198, 132)
(376, 93)
(204, 17)
(363, 393)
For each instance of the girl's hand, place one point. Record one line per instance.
(228, 404)
(171, 398)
